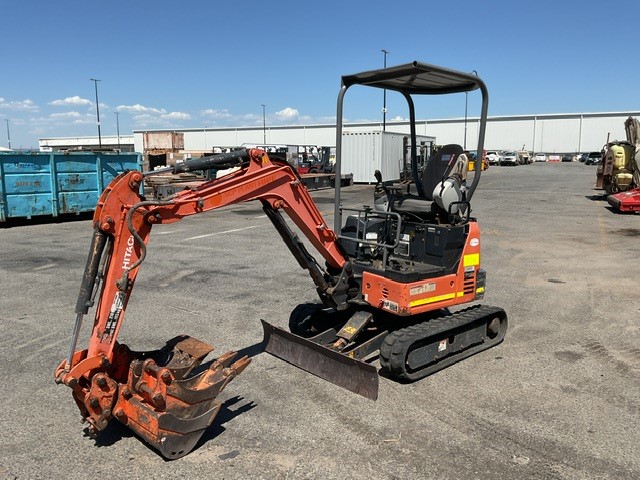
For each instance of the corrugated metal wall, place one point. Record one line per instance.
(546, 133)
(365, 152)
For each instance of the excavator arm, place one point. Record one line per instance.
(157, 394)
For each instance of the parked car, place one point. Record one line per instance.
(582, 157)
(567, 157)
(509, 157)
(540, 157)
(492, 157)
(594, 158)
(554, 157)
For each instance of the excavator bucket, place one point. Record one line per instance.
(315, 356)
(169, 401)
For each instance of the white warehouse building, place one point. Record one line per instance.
(549, 133)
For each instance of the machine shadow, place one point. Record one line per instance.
(252, 350)
(226, 415)
(598, 197)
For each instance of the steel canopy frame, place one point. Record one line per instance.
(415, 78)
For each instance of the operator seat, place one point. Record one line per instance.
(437, 169)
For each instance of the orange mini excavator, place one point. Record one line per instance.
(391, 277)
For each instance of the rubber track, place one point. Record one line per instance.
(396, 346)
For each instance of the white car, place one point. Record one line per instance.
(509, 157)
(492, 157)
(540, 157)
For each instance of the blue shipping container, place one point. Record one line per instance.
(57, 183)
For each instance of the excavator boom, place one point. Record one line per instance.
(158, 394)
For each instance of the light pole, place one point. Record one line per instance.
(466, 96)
(384, 97)
(8, 134)
(118, 127)
(95, 82)
(264, 126)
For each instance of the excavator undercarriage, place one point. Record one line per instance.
(392, 277)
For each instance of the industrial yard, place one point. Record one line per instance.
(558, 399)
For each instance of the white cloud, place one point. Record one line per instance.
(288, 114)
(38, 131)
(86, 120)
(144, 118)
(220, 114)
(330, 119)
(75, 100)
(19, 105)
(140, 109)
(176, 116)
(74, 118)
(65, 115)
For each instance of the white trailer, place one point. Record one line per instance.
(365, 152)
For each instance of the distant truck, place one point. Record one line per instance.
(525, 157)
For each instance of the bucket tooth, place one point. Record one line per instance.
(240, 364)
(209, 383)
(223, 361)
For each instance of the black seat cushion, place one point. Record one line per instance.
(439, 167)
(411, 204)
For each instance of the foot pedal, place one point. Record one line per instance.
(354, 325)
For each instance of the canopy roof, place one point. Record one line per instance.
(416, 78)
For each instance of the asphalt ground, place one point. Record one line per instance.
(558, 399)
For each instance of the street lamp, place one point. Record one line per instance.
(118, 127)
(8, 134)
(384, 93)
(95, 82)
(466, 96)
(264, 126)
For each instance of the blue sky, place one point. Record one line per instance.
(207, 63)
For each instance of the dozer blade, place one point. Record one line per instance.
(347, 372)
